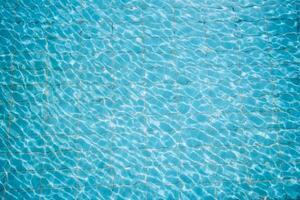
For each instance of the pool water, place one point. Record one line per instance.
(149, 99)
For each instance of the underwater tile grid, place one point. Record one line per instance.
(149, 99)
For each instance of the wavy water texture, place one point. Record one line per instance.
(156, 99)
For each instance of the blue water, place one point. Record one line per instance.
(149, 99)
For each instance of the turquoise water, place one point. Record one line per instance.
(134, 99)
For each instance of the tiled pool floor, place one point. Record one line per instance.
(136, 99)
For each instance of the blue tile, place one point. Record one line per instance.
(134, 99)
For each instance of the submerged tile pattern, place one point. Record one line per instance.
(134, 99)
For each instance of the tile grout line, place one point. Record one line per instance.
(240, 94)
(10, 116)
(272, 67)
(144, 78)
(274, 86)
(45, 104)
(154, 149)
(238, 39)
(174, 53)
(75, 170)
(112, 114)
(144, 112)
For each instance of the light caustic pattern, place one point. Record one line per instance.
(156, 99)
